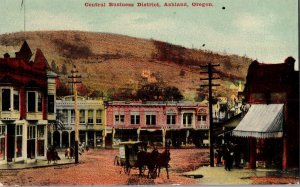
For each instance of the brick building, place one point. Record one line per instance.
(26, 105)
(271, 126)
(174, 123)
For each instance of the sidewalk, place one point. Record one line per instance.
(219, 176)
(37, 164)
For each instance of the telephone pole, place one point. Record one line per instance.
(211, 124)
(74, 76)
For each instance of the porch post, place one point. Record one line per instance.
(284, 154)
(252, 152)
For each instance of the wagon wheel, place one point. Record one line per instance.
(127, 169)
(153, 174)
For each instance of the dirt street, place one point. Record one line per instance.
(97, 168)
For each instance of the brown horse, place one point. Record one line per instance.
(52, 155)
(162, 160)
(147, 159)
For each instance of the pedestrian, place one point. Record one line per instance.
(226, 157)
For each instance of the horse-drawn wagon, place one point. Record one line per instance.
(128, 154)
(133, 154)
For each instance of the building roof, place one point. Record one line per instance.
(261, 121)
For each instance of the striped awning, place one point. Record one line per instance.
(261, 121)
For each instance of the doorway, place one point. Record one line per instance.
(10, 142)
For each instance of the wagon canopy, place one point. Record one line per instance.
(261, 121)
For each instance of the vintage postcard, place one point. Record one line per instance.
(149, 92)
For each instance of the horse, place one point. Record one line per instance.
(162, 160)
(52, 155)
(147, 159)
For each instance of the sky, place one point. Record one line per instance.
(266, 30)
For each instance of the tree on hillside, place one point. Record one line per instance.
(62, 89)
(158, 92)
(64, 70)
(172, 93)
(54, 67)
(96, 94)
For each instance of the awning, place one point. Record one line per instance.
(261, 121)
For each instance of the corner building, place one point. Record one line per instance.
(26, 105)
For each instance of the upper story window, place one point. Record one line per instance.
(72, 116)
(171, 119)
(10, 99)
(34, 101)
(91, 116)
(65, 116)
(82, 116)
(51, 104)
(135, 119)
(119, 119)
(98, 117)
(187, 119)
(151, 119)
(202, 118)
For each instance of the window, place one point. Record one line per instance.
(40, 141)
(171, 119)
(19, 135)
(34, 101)
(82, 116)
(91, 117)
(98, 117)
(202, 118)
(39, 102)
(51, 104)
(40, 131)
(72, 116)
(6, 99)
(65, 116)
(187, 119)
(135, 119)
(119, 119)
(16, 100)
(31, 132)
(31, 102)
(2, 142)
(150, 119)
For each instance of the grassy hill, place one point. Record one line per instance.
(110, 62)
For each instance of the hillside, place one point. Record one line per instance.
(110, 62)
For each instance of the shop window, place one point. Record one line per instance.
(19, 138)
(98, 117)
(135, 119)
(150, 119)
(31, 132)
(6, 99)
(41, 140)
(2, 142)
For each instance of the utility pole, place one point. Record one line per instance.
(211, 124)
(74, 76)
